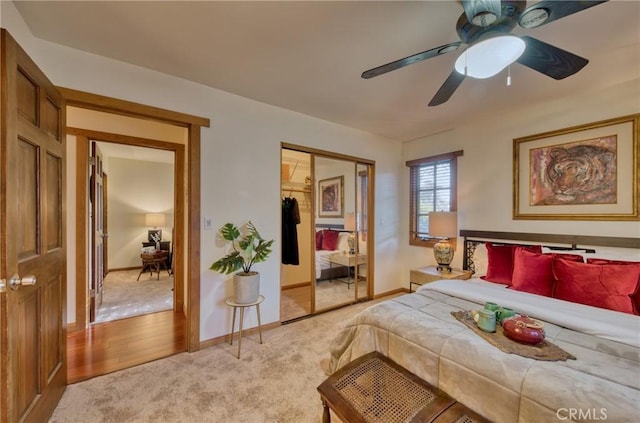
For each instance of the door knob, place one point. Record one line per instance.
(15, 282)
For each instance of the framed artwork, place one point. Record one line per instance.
(330, 197)
(154, 235)
(586, 172)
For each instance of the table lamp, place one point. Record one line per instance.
(443, 225)
(350, 225)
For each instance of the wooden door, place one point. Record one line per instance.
(96, 199)
(105, 226)
(33, 366)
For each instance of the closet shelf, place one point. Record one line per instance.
(296, 187)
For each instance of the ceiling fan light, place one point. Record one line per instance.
(488, 57)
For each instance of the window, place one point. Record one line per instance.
(432, 188)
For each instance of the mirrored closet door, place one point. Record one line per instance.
(333, 195)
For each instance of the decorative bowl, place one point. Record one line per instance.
(524, 329)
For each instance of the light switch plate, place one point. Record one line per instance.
(208, 223)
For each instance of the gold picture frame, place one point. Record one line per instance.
(585, 172)
(331, 197)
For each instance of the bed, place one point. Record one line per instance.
(330, 240)
(418, 332)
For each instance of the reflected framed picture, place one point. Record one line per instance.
(154, 235)
(330, 197)
(586, 172)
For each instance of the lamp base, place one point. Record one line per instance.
(445, 268)
(443, 253)
(351, 241)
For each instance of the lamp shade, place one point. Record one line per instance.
(443, 224)
(154, 219)
(488, 57)
(350, 222)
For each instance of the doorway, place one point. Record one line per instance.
(333, 196)
(137, 204)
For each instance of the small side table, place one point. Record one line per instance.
(229, 301)
(153, 262)
(429, 274)
(348, 261)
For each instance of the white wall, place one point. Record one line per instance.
(240, 161)
(136, 187)
(485, 175)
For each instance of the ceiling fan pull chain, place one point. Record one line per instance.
(465, 63)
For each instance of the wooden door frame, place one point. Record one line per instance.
(83, 140)
(189, 261)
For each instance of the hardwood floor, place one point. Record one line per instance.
(110, 346)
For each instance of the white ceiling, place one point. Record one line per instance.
(308, 56)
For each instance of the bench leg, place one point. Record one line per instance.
(326, 414)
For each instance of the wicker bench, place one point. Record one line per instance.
(374, 389)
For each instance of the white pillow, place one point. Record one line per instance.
(343, 241)
(480, 260)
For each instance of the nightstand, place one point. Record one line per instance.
(348, 261)
(429, 274)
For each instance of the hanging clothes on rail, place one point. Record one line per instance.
(290, 220)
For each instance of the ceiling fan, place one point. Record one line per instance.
(485, 28)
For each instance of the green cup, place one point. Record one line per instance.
(504, 313)
(491, 306)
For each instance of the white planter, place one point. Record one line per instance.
(246, 287)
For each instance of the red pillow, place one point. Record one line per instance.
(318, 240)
(608, 286)
(330, 240)
(532, 272)
(571, 257)
(605, 261)
(500, 266)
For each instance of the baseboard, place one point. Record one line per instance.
(225, 338)
(392, 292)
(119, 269)
(295, 285)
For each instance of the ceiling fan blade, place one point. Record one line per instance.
(550, 60)
(447, 48)
(447, 89)
(548, 11)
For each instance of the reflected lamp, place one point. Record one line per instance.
(350, 225)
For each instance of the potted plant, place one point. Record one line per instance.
(248, 248)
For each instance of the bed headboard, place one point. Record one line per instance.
(334, 226)
(555, 241)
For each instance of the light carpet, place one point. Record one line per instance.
(124, 296)
(272, 382)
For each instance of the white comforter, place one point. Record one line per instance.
(619, 327)
(418, 332)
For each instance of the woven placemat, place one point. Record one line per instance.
(545, 351)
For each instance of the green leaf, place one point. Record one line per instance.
(229, 263)
(230, 232)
